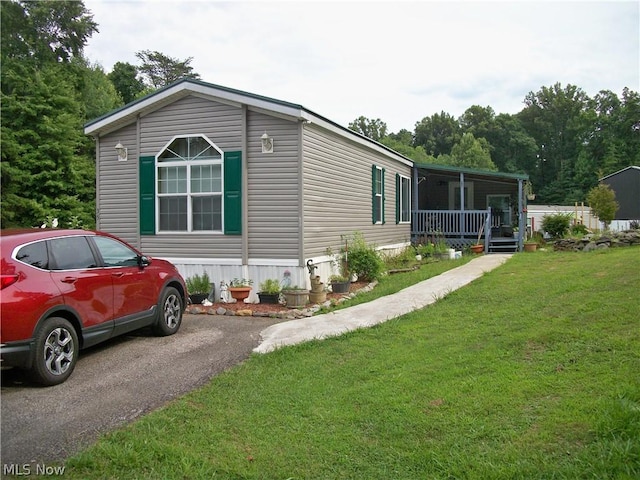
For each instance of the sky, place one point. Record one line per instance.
(395, 61)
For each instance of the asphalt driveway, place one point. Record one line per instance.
(117, 382)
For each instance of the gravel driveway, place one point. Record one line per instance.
(117, 382)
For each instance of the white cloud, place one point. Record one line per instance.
(398, 61)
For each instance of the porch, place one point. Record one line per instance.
(461, 206)
(462, 228)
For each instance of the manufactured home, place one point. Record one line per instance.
(245, 186)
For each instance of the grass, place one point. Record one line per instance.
(529, 372)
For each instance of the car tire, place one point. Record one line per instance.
(170, 310)
(56, 351)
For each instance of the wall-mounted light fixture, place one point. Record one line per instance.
(122, 152)
(267, 143)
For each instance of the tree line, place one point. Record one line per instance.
(562, 138)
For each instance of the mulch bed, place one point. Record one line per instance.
(266, 309)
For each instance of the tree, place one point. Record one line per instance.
(437, 134)
(160, 70)
(124, 77)
(471, 152)
(602, 201)
(47, 168)
(42, 174)
(556, 118)
(373, 129)
(45, 31)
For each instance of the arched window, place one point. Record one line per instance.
(189, 186)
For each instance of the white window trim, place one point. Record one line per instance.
(401, 196)
(188, 194)
(380, 212)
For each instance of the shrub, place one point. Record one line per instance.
(556, 224)
(270, 285)
(363, 259)
(198, 283)
(579, 229)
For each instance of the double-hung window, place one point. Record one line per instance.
(377, 194)
(403, 199)
(189, 186)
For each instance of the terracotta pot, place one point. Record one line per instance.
(239, 293)
(478, 248)
(530, 247)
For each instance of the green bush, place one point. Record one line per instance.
(363, 259)
(579, 229)
(198, 284)
(556, 224)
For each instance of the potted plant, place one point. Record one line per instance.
(198, 287)
(240, 288)
(339, 283)
(478, 247)
(295, 297)
(530, 246)
(269, 291)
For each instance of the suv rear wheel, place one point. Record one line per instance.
(56, 351)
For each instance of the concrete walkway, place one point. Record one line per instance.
(377, 311)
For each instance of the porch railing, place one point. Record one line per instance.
(451, 223)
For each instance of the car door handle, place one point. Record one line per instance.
(69, 280)
(117, 274)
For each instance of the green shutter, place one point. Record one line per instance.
(233, 193)
(147, 180)
(397, 198)
(383, 199)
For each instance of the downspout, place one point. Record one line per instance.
(462, 204)
(520, 214)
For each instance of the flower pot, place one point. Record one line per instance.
(239, 293)
(296, 298)
(530, 247)
(340, 287)
(269, 297)
(478, 248)
(198, 298)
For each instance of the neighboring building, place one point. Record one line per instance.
(626, 185)
(241, 185)
(580, 214)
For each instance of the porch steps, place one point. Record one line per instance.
(503, 244)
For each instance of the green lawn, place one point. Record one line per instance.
(532, 371)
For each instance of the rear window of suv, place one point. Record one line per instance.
(34, 254)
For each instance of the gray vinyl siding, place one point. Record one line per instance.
(273, 198)
(221, 123)
(337, 192)
(117, 186)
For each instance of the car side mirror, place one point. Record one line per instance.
(143, 261)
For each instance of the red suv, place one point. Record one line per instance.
(63, 290)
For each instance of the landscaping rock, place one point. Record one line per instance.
(592, 242)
